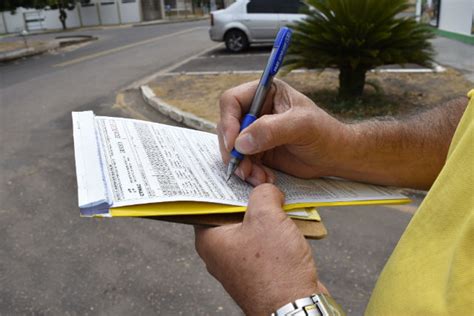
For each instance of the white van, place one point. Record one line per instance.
(247, 22)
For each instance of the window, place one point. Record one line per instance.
(276, 6)
(261, 6)
(289, 6)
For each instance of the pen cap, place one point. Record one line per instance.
(281, 44)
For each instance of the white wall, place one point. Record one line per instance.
(129, 11)
(51, 21)
(2, 25)
(15, 22)
(456, 16)
(89, 15)
(108, 12)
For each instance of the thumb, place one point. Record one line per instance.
(265, 206)
(267, 132)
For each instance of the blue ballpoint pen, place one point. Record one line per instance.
(275, 60)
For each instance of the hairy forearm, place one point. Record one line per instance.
(407, 152)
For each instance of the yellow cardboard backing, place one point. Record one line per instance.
(200, 208)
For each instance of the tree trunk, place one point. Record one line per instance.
(351, 82)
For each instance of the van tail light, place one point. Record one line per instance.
(212, 19)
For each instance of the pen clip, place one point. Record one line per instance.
(282, 42)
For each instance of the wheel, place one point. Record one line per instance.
(236, 41)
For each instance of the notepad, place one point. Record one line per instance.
(128, 167)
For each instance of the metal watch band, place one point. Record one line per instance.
(314, 305)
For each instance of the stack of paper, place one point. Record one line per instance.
(129, 167)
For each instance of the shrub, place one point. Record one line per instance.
(356, 36)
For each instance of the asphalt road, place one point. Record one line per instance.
(219, 59)
(448, 53)
(54, 262)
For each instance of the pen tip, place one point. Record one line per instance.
(230, 171)
(227, 176)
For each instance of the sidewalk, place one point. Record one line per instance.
(456, 55)
(17, 48)
(172, 20)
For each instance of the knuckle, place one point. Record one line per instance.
(280, 84)
(224, 99)
(282, 87)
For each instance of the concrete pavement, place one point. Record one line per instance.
(455, 54)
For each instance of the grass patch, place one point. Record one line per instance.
(370, 105)
(386, 94)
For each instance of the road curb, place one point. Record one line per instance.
(161, 22)
(74, 40)
(55, 44)
(27, 52)
(185, 118)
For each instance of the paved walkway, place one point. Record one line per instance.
(455, 54)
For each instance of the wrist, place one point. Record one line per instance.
(315, 305)
(351, 147)
(281, 296)
(344, 148)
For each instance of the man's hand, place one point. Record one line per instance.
(293, 135)
(264, 262)
(297, 137)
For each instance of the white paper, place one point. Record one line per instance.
(149, 162)
(91, 182)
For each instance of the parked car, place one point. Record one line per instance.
(247, 22)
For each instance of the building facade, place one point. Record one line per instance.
(454, 16)
(106, 12)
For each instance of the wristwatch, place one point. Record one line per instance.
(314, 305)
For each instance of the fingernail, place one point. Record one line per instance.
(245, 144)
(240, 173)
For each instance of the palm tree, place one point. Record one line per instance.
(356, 36)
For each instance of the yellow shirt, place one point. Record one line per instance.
(431, 271)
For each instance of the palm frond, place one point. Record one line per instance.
(358, 34)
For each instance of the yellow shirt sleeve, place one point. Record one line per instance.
(431, 271)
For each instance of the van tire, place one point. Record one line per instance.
(236, 41)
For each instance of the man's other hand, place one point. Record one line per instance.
(264, 262)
